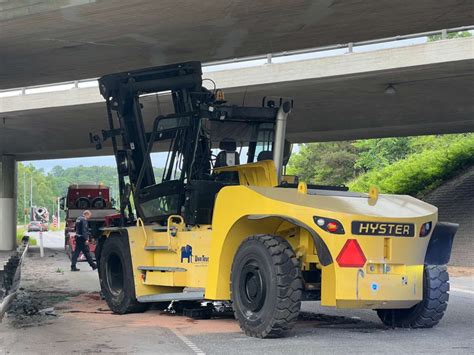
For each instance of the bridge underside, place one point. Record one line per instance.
(57, 40)
(430, 99)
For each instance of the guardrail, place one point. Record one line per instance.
(11, 279)
(350, 46)
(267, 57)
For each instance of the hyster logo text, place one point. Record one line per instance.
(385, 229)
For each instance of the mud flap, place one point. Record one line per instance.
(441, 243)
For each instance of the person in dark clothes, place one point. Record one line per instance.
(82, 241)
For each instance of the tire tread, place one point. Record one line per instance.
(430, 310)
(289, 287)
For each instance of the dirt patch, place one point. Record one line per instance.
(319, 320)
(45, 284)
(34, 308)
(90, 308)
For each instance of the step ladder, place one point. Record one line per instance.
(162, 268)
(186, 295)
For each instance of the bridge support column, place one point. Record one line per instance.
(7, 202)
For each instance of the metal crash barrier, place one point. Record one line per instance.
(10, 278)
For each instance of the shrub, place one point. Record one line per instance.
(423, 171)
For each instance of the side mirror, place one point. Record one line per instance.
(122, 162)
(62, 201)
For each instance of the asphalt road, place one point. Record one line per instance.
(82, 323)
(51, 239)
(360, 332)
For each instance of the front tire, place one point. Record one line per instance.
(116, 276)
(430, 310)
(266, 286)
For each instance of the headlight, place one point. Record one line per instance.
(425, 229)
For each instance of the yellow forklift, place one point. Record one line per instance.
(224, 223)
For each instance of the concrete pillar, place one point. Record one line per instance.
(7, 202)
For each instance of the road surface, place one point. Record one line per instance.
(51, 239)
(78, 309)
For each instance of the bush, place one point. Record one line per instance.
(421, 172)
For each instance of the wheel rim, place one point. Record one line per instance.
(252, 286)
(114, 272)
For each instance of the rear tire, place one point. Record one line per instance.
(266, 286)
(430, 310)
(116, 276)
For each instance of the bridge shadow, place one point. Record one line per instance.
(310, 321)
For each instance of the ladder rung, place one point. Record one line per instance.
(161, 268)
(164, 297)
(157, 247)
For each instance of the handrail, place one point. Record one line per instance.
(142, 225)
(349, 45)
(270, 56)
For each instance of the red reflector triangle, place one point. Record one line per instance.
(351, 255)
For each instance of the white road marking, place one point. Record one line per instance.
(462, 290)
(188, 342)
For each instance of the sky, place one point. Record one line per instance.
(159, 159)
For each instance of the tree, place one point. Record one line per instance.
(460, 34)
(378, 153)
(331, 163)
(48, 187)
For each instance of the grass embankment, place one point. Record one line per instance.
(423, 171)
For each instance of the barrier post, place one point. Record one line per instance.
(41, 244)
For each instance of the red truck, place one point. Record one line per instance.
(95, 198)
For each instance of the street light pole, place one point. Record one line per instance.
(59, 221)
(31, 197)
(24, 197)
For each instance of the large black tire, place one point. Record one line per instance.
(116, 276)
(266, 286)
(82, 203)
(430, 310)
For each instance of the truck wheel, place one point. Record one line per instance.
(116, 276)
(266, 286)
(430, 310)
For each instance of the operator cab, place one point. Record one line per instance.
(197, 122)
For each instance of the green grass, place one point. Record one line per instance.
(421, 172)
(20, 232)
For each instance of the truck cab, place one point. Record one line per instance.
(95, 198)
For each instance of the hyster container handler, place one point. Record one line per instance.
(213, 228)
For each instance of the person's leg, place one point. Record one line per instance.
(77, 251)
(87, 254)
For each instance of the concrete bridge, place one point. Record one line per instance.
(345, 97)
(336, 98)
(45, 41)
